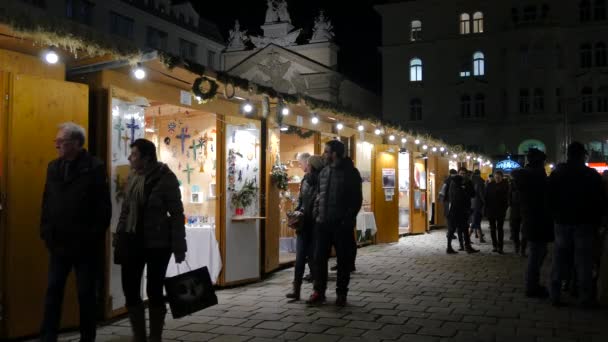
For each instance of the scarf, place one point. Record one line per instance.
(135, 199)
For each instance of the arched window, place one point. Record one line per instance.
(587, 100)
(416, 33)
(584, 8)
(585, 56)
(480, 105)
(479, 64)
(524, 101)
(465, 106)
(539, 100)
(600, 54)
(415, 110)
(415, 70)
(465, 23)
(599, 10)
(602, 102)
(478, 22)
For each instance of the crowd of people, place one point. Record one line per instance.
(567, 207)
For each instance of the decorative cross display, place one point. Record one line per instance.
(125, 138)
(194, 147)
(133, 126)
(118, 127)
(188, 171)
(183, 136)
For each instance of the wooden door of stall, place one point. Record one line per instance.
(418, 201)
(386, 206)
(28, 126)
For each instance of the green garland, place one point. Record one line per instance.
(204, 96)
(279, 176)
(299, 132)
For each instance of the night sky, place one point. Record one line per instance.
(358, 31)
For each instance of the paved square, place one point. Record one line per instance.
(407, 291)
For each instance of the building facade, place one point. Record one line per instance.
(163, 25)
(498, 76)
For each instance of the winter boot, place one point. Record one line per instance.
(137, 317)
(157, 322)
(295, 292)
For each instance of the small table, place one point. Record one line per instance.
(366, 221)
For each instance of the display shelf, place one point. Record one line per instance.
(247, 218)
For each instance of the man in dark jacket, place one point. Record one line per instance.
(338, 202)
(577, 201)
(497, 202)
(519, 243)
(477, 204)
(537, 224)
(76, 212)
(460, 192)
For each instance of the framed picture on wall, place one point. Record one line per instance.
(212, 193)
(196, 197)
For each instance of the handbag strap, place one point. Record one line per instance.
(187, 264)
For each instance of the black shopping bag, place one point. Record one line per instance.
(190, 292)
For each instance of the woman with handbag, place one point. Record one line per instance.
(150, 229)
(302, 219)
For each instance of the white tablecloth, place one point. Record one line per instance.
(203, 250)
(365, 221)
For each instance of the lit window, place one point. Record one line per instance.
(600, 54)
(465, 74)
(587, 100)
(416, 33)
(415, 70)
(478, 22)
(479, 64)
(465, 23)
(415, 110)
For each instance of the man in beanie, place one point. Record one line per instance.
(577, 202)
(537, 224)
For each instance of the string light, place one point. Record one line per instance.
(314, 120)
(377, 131)
(51, 56)
(424, 147)
(361, 128)
(454, 156)
(417, 142)
(339, 126)
(391, 137)
(403, 140)
(139, 72)
(284, 128)
(434, 149)
(442, 149)
(285, 111)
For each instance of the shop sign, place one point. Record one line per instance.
(599, 167)
(507, 165)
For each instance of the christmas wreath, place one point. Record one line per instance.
(279, 176)
(201, 96)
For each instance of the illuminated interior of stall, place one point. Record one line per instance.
(404, 192)
(363, 162)
(291, 146)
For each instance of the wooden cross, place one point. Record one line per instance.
(183, 136)
(125, 138)
(194, 147)
(118, 127)
(133, 126)
(188, 171)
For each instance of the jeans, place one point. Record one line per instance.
(157, 261)
(87, 269)
(537, 254)
(304, 254)
(341, 237)
(497, 231)
(577, 241)
(476, 221)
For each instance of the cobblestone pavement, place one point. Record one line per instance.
(407, 291)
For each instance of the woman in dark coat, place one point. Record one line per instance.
(497, 202)
(150, 229)
(304, 244)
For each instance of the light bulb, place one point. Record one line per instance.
(377, 131)
(339, 126)
(442, 149)
(361, 128)
(551, 165)
(248, 108)
(139, 72)
(468, 157)
(417, 141)
(284, 128)
(424, 147)
(391, 137)
(314, 120)
(403, 140)
(434, 149)
(285, 111)
(51, 57)
(454, 156)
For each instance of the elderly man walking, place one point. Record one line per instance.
(76, 211)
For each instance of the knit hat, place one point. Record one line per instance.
(316, 162)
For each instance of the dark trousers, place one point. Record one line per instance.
(156, 262)
(519, 241)
(536, 256)
(304, 255)
(86, 268)
(460, 225)
(497, 231)
(343, 240)
(577, 241)
(476, 221)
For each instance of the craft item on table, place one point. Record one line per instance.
(201, 168)
(133, 126)
(188, 171)
(183, 136)
(167, 141)
(172, 126)
(257, 145)
(212, 151)
(118, 127)
(196, 188)
(125, 138)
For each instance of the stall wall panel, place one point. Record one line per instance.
(386, 211)
(18, 63)
(272, 225)
(441, 173)
(37, 106)
(418, 202)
